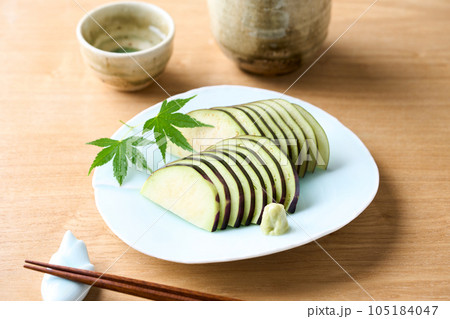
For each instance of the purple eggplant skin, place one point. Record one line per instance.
(269, 173)
(263, 185)
(233, 118)
(255, 122)
(226, 216)
(293, 205)
(257, 108)
(238, 150)
(240, 188)
(260, 161)
(280, 171)
(216, 220)
(261, 180)
(247, 177)
(205, 176)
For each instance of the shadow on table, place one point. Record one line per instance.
(342, 70)
(358, 248)
(307, 270)
(94, 294)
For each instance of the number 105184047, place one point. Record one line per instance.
(394, 310)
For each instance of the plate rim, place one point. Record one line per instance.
(261, 254)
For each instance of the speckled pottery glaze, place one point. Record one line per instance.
(144, 30)
(270, 37)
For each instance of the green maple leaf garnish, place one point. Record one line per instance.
(121, 152)
(165, 124)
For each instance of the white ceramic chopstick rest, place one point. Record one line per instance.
(72, 253)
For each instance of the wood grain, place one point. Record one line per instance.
(387, 79)
(131, 286)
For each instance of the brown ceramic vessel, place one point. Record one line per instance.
(270, 37)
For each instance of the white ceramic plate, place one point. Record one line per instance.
(328, 199)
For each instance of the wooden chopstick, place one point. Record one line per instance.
(126, 285)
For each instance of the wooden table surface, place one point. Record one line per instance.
(387, 79)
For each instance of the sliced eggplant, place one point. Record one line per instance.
(257, 170)
(218, 181)
(289, 174)
(268, 161)
(201, 138)
(191, 195)
(321, 138)
(249, 119)
(307, 131)
(252, 158)
(244, 179)
(236, 190)
(267, 126)
(300, 160)
(286, 178)
(240, 117)
(283, 127)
